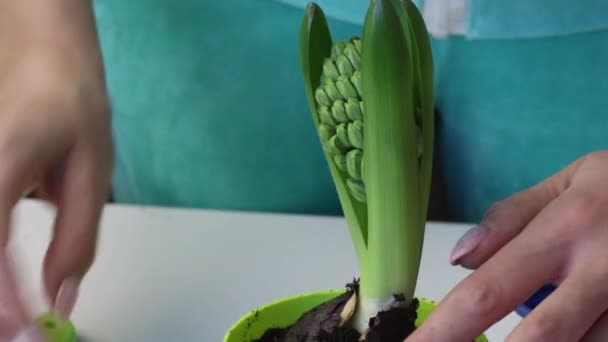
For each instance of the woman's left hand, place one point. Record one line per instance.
(556, 231)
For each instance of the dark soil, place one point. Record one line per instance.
(322, 324)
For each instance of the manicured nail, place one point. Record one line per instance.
(468, 242)
(29, 334)
(66, 298)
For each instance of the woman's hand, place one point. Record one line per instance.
(55, 136)
(556, 231)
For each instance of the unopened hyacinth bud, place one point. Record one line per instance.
(353, 56)
(356, 188)
(326, 116)
(326, 131)
(353, 110)
(332, 90)
(354, 162)
(330, 71)
(355, 134)
(356, 81)
(337, 49)
(338, 111)
(340, 108)
(346, 88)
(322, 97)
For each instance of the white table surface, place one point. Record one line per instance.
(186, 275)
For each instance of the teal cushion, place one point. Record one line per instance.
(209, 106)
(210, 111)
(499, 19)
(516, 111)
(351, 11)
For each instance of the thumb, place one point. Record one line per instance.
(507, 218)
(80, 194)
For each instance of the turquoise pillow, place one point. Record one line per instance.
(496, 19)
(209, 106)
(499, 19)
(513, 112)
(210, 111)
(351, 11)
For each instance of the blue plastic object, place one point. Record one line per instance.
(524, 309)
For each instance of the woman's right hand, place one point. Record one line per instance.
(55, 135)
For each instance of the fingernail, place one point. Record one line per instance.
(468, 242)
(29, 334)
(66, 298)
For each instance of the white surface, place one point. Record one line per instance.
(186, 275)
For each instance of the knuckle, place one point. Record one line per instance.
(581, 211)
(480, 297)
(543, 328)
(498, 209)
(495, 208)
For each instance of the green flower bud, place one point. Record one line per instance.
(355, 134)
(332, 91)
(341, 112)
(353, 56)
(340, 161)
(357, 44)
(342, 134)
(356, 80)
(354, 160)
(336, 49)
(336, 146)
(326, 131)
(344, 66)
(338, 110)
(330, 71)
(322, 97)
(357, 189)
(326, 117)
(346, 88)
(353, 110)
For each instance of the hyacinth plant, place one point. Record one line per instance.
(372, 103)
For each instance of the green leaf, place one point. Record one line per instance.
(391, 170)
(315, 47)
(425, 92)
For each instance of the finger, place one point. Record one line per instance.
(13, 316)
(599, 331)
(507, 218)
(498, 286)
(15, 175)
(17, 171)
(568, 313)
(80, 197)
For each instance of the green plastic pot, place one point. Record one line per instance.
(55, 330)
(285, 312)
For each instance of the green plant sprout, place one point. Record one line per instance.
(372, 102)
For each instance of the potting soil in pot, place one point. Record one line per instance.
(325, 324)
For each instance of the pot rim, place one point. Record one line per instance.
(245, 319)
